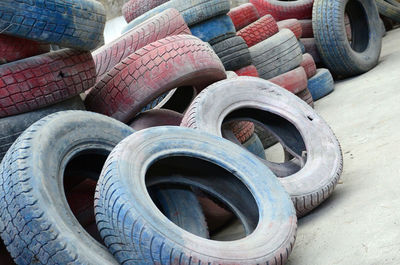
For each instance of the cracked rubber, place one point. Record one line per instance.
(259, 30)
(280, 10)
(14, 49)
(243, 15)
(134, 8)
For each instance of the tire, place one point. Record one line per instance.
(258, 31)
(134, 8)
(276, 55)
(309, 65)
(306, 96)
(321, 84)
(156, 117)
(12, 127)
(266, 137)
(250, 70)
(14, 49)
(347, 25)
(311, 48)
(213, 28)
(254, 146)
(243, 130)
(40, 81)
(46, 23)
(243, 15)
(389, 9)
(292, 24)
(161, 241)
(231, 74)
(167, 23)
(233, 52)
(294, 81)
(124, 91)
(302, 47)
(280, 10)
(298, 128)
(342, 58)
(194, 11)
(306, 27)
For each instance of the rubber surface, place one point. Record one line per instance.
(311, 48)
(134, 8)
(213, 28)
(74, 24)
(340, 56)
(309, 65)
(193, 11)
(306, 96)
(292, 24)
(152, 71)
(44, 80)
(302, 47)
(300, 130)
(276, 55)
(254, 146)
(167, 23)
(156, 117)
(280, 10)
(294, 81)
(13, 48)
(258, 31)
(321, 84)
(161, 241)
(243, 15)
(242, 130)
(388, 9)
(306, 27)
(233, 52)
(250, 70)
(266, 137)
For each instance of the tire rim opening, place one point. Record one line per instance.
(360, 30)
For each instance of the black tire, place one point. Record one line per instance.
(233, 52)
(266, 137)
(390, 9)
(13, 126)
(340, 56)
(277, 54)
(46, 22)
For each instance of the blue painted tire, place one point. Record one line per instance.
(341, 57)
(141, 233)
(255, 146)
(77, 24)
(321, 84)
(213, 28)
(193, 11)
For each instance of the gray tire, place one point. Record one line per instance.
(233, 52)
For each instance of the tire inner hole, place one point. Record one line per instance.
(360, 30)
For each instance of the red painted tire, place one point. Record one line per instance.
(176, 61)
(250, 70)
(294, 81)
(280, 10)
(258, 31)
(167, 23)
(306, 26)
(155, 118)
(311, 48)
(309, 65)
(44, 80)
(243, 15)
(292, 24)
(14, 49)
(306, 96)
(242, 130)
(134, 8)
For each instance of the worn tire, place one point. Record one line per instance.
(213, 28)
(280, 10)
(311, 48)
(294, 81)
(14, 49)
(266, 137)
(276, 55)
(193, 11)
(167, 23)
(233, 52)
(321, 84)
(156, 117)
(134, 8)
(250, 70)
(255, 146)
(258, 31)
(150, 72)
(44, 80)
(306, 27)
(243, 15)
(242, 130)
(159, 240)
(306, 96)
(298, 128)
(302, 47)
(74, 24)
(309, 65)
(292, 24)
(340, 56)
(389, 10)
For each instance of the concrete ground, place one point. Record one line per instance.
(360, 222)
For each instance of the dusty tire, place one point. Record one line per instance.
(280, 10)
(258, 31)
(299, 128)
(321, 84)
(14, 49)
(294, 81)
(306, 96)
(44, 80)
(340, 56)
(150, 72)
(250, 70)
(309, 65)
(74, 24)
(243, 130)
(267, 138)
(233, 52)
(134, 8)
(276, 55)
(302, 47)
(156, 117)
(243, 15)
(255, 146)
(213, 28)
(160, 240)
(167, 23)
(292, 24)
(311, 48)
(306, 27)
(390, 10)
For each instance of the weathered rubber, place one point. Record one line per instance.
(294, 81)
(134, 8)
(311, 48)
(258, 31)
(44, 80)
(156, 117)
(13, 48)
(243, 15)
(255, 146)
(139, 225)
(306, 96)
(309, 65)
(266, 137)
(280, 10)
(152, 71)
(168, 23)
(74, 24)
(250, 70)
(388, 9)
(242, 130)
(213, 28)
(321, 84)
(292, 24)
(302, 47)
(276, 55)
(306, 27)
